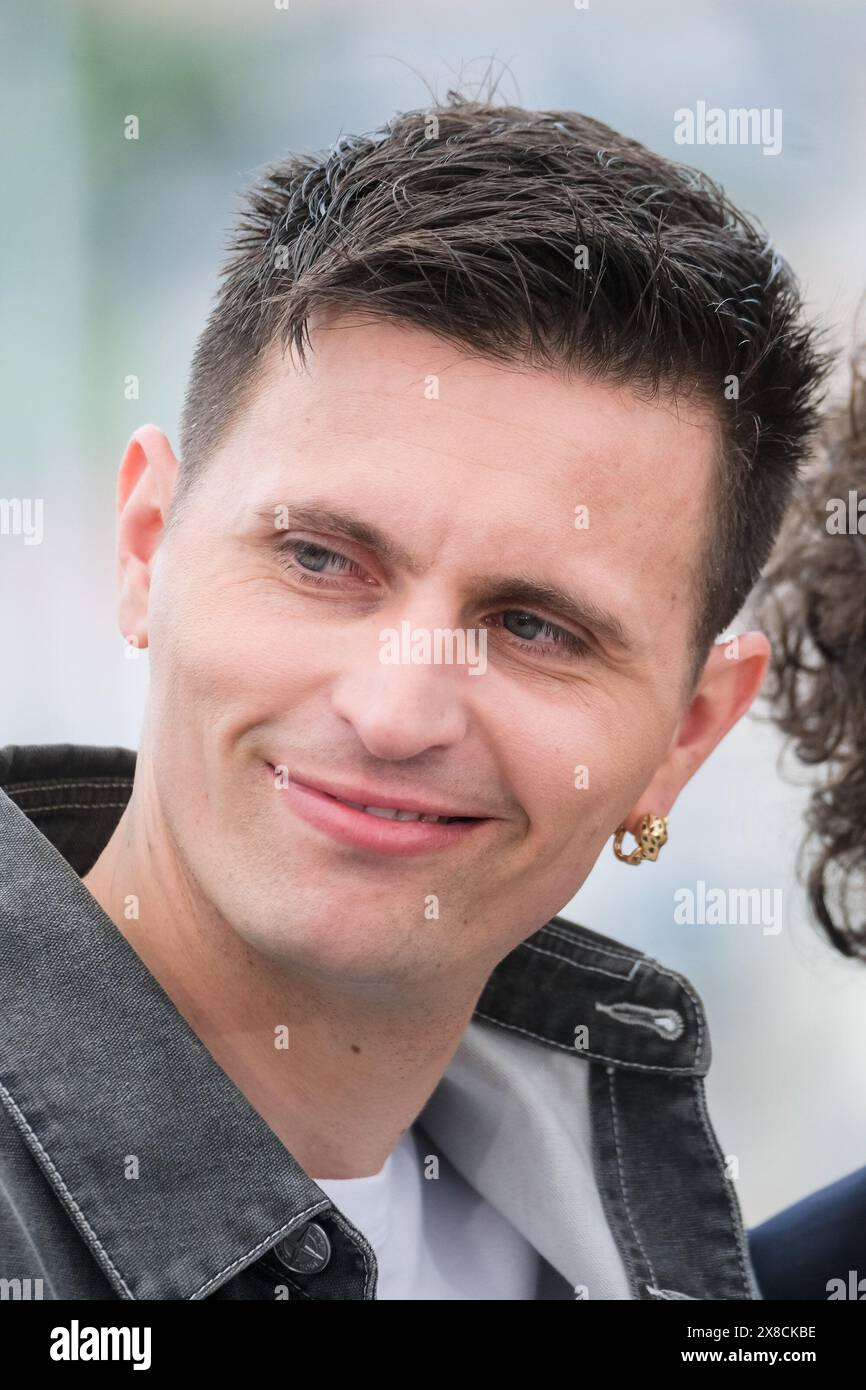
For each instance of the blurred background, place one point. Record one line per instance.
(110, 252)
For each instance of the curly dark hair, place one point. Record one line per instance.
(811, 603)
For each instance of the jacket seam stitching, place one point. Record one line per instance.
(21, 1120)
(583, 1053)
(635, 959)
(595, 969)
(621, 1173)
(579, 965)
(715, 1147)
(244, 1259)
(103, 784)
(653, 965)
(368, 1268)
(74, 806)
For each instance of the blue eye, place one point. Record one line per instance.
(524, 620)
(524, 626)
(316, 557)
(313, 564)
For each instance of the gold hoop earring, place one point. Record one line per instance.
(653, 834)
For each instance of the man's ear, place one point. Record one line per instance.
(732, 676)
(145, 484)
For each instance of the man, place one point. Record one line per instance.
(274, 1029)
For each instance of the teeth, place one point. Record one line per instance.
(391, 813)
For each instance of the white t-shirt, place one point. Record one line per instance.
(436, 1238)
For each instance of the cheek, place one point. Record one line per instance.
(578, 780)
(233, 659)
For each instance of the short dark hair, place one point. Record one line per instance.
(812, 603)
(464, 218)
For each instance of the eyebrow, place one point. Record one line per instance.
(347, 524)
(517, 590)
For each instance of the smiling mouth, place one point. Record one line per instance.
(392, 813)
(398, 830)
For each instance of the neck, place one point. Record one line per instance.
(337, 1074)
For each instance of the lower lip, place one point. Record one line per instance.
(362, 831)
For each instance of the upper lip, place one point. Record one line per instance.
(364, 796)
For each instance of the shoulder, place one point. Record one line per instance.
(822, 1238)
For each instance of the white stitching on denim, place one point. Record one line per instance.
(73, 806)
(245, 1259)
(643, 1016)
(622, 1186)
(578, 965)
(597, 950)
(282, 1272)
(625, 1255)
(272, 1267)
(21, 1120)
(368, 1268)
(105, 784)
(582, 1052)
(736, 1217)
(657, 969)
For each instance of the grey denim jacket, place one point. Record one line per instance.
(132, 1167)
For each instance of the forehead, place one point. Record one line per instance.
(466, 457)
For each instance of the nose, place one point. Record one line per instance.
(403, 709)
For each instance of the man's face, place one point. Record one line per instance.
(265, 625)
